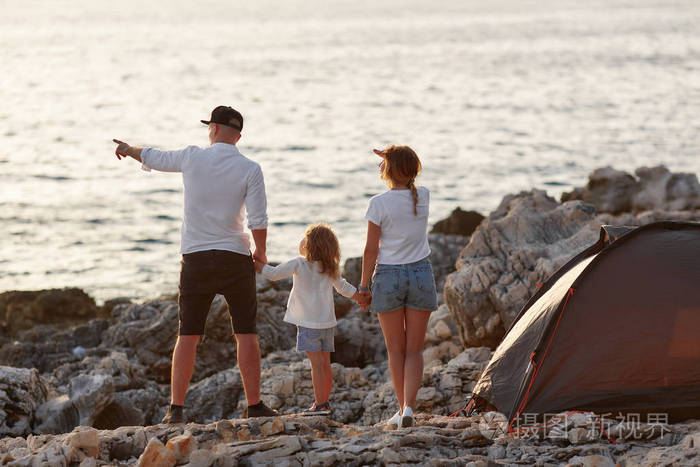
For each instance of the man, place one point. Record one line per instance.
(220, 184)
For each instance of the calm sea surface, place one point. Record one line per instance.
(496, 97)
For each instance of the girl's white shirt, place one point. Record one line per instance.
(311, 300)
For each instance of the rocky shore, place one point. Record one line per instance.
(82, 384)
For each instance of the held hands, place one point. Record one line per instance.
(363, 299)
(260, 260)
(258, 265)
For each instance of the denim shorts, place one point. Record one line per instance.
(396, 286)
(313, 340)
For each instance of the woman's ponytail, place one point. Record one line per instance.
(401, 165)
(414, 195)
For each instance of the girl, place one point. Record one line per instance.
(310, 304)
(396, 258)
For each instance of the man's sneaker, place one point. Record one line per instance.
(259, 410)
(407, 417)
(173, 415)
(323, 409)
(395, 421)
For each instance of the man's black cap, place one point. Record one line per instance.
(225, 115)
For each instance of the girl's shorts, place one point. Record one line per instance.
(313, 340)
(396, 286)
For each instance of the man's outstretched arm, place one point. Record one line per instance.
(124, 150)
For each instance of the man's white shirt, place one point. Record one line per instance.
(221, 187)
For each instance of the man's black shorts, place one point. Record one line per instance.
(207, 273)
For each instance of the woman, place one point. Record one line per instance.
(396, 258)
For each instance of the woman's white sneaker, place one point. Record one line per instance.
(395, 420)
(407, 417)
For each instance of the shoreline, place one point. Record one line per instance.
(154, 271)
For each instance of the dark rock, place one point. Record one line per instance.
(352, 270)
(459, 222)
(342, 305)
(358, 341)
(121, 412)
(45, 347)
(109, 305)
(44, 356)
(151, 401)
(63, 308)
(150, 331)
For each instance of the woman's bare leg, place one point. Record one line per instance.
(416, 325)
(394, 330)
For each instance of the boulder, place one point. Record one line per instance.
(151, 401)
(157, 455)
(22, 391)
(608, 189)
(89, 395)
(182, 446)
(352, 270)
(663, 190)
(85, 439)
(214, 398)
(359, 340)
(441, 327)
(63, 308)
(46, 347)
(120, 412)
(459, 222)
(521, 244)
(58, 415)
(444, 251)
(654, 188)
(342, 305)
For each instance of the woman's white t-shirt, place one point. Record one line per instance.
(311, 300)
(404, 236)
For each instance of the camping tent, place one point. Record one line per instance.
(616, 330)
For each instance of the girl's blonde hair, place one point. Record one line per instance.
(402, 166)
(322, 246)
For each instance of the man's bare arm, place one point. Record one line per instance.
(260, 240)
(124, 150)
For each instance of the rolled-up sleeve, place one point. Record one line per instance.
(256, 201)
(166, 161)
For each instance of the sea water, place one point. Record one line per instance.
(495, 97)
